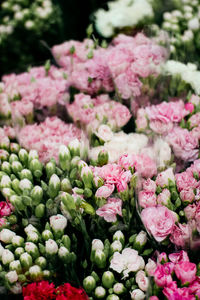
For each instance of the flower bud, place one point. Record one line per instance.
(13, 157)
(88, 208)
(15, 266)
(87, 177)
(64, 158)
(16, 288)
(40, 210)
(32, 237)
(66, 185)
(36, 195)
(119, 288)
(116, 246)
(112, 297)
(30, 228)
(19, 251)
(26, 260)
(23, 156)
(46, 235)
(100, 259)
(15, 186)
(35, 273)
(14, 148)
(32, 249)
(41, 262)
(7, 257)
(50, 169)
(162, 258)
(5, 182)
(54, 186)
(81, 165)
(6, 167)
(119, 236)
(63, 254)
(7, 192)
(4, 155)
(102, 157)
(75, 161)
(100, 292)
(108, 279)
(26, 174)
(89, 284)
(25, 186)
(11, 277)
(1, 250)
(140, 241)
(58, 224)
(17, 202)
(17, 241)
(46, 274)
(51, 247)
(137, 294)
(36, 167)
(66, 241)
(6, 236)
(33, 154)
(22, 278)
(16, 167)
(74, 147)
(68, 201)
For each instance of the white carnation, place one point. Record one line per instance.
(58, 222)
(6, 236)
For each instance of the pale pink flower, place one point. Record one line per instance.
(105, 191)
(179, 256)
(190, 211)
(164, 197)
(163, 178)
(147, 199)
(142, 280)
(185, 180)
(149, 185)
(180, 235)
(194, 120)
(110, 210)
(187, 195)
(160, 226)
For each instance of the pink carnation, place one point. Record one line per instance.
(109, 211)
(147, 199)
(160, 226)
(149, 185)
(179, 256)
(105, 191)
(187, 195)
(164, 197)
(190, 211)
(185, 180)
(163, 178)
(5, 209)
(180, 235)
(185, 271)
(162, 275)
(184, 144)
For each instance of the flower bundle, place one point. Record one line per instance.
(175, 277)
(118, 267)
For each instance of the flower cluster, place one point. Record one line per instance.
(176, 276)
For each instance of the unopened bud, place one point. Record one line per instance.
(89, 284)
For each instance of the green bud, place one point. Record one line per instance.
(87, 193)
(44, 186)
(158, 189)
(42, 249)
(75, 161)
(74, 147)
(50, 169)
(88, 208)
(108, 279)
(7, 192)
(35, 273)
(40, 210)
(96, 277)
(64, 158)
(14, 148)
(147, 252)
(41, 262)
(78, 183)
(47, 234)
(36, 195)
(17, 202)
(119, 236)
(54, 186)
(46, 274)
(16, 167)
(32, 237)
(33, 154)
(27, 201)
(15, 186)
(23, 156)
(89, 284)
(19, 251)
(15, 265)
(119, 288)
(68, 201)
(100, 259)
(13, 157)
(22, 278)
(25, 186)
(102, 157)
(6, 167)
(17, 241)
(2, 174)
(26, 173)
(112, 297)
(73, 174)
(87, 177)
(66, 185)
(12, 219)
(178, 202)
(140, 241)
(36, 167)
(100, 292)
(66, 241)
(26, 260)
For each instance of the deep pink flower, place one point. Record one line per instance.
(5, 209)
(185, 271)
(179, 256)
